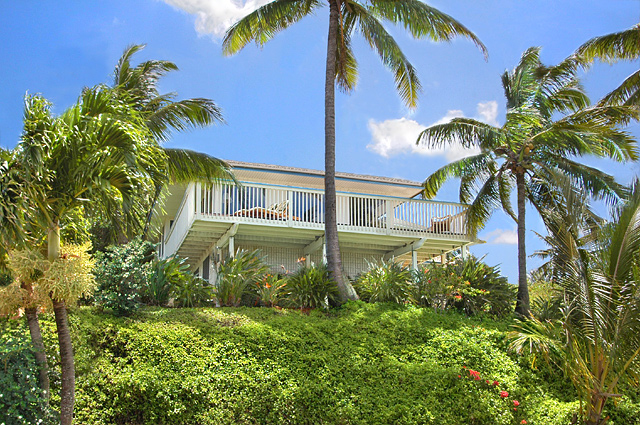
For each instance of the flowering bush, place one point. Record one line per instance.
(492, 386)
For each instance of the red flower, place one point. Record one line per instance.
(496, 383)
(459, 376)
(516, 403)
(458, 297)
(523, 422)
(504, 394)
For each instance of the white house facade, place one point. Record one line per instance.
(280, 210)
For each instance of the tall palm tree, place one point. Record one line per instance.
(533, 142)
(345, 18)
(597, 339)
(610, 48)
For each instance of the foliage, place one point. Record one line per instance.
(192, 291)
(121, 273)
(549, 124)
(164, 277)
(596, 340)
(238, 275)
(311, 287)
(21, 400)
(265, 366)
(385, 281)
(269, 290)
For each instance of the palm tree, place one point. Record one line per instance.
(532, 143)
(80, 158)
(137, 88)
(345, 18)
(597, 339)
(610, 48)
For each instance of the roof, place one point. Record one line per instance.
(308, 178)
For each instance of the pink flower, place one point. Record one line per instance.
(504, 394)
(516, 403)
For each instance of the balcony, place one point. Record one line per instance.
(280, 212)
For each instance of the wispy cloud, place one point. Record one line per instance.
(398, 136)
(501, 236)
(214, 17)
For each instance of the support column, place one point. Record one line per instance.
(414, 260)
(232, 247)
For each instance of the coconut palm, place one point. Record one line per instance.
(345, 18)
(597, 339)
(548, 125)
(610, 48)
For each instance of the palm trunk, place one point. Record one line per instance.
(67, 392)
(334, 261)
(522, 299)
(38, 346)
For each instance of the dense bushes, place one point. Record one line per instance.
(361, 364)
(468, 286)
(21, 400)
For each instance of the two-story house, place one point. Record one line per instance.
(281, 211)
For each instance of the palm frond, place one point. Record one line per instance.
(455, 169)
(422, 20)
(184, 166)
(405, 76)
(466, 131)
(184, 114)
(624, 45)
(265, 22)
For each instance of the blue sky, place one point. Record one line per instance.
(273, 97)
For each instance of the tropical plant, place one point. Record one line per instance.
(237, 275)
(192, 291)
(549, 123)
(85, 156)
(345, 18)
(492, 293)
(385, 281)
(311, 287)
(269, 290)
(164, 276)
(597, 339)
(610, 48)
(122, 273)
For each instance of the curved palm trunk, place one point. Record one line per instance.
(330, 219)
(67, 392)
(41, 358)
(522, 299)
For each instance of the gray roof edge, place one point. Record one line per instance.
(296, 170)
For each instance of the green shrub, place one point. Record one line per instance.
(121, 274)
(21, 400)
(311, 287)
(237, 276)
(385, 281)
(435, 286)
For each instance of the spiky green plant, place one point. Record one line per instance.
(238, 275)
(385, 281)
(311, 287)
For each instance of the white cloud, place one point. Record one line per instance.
(398, 136)
(216, 16)
(501, 236)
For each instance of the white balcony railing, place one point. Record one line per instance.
(304, 208)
